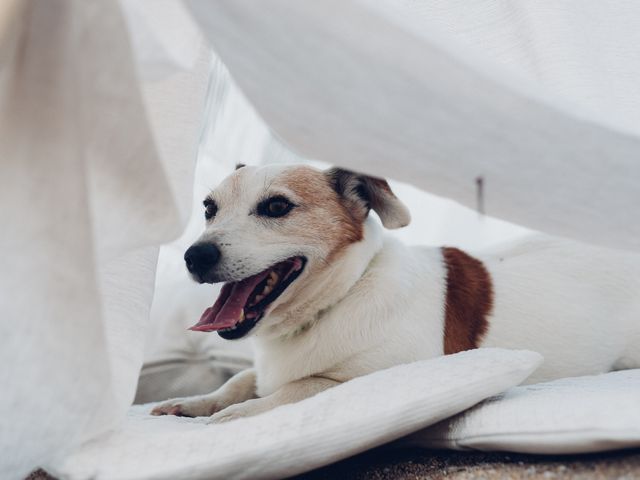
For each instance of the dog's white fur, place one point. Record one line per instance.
(378, 303)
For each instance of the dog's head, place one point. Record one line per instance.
(271, 230)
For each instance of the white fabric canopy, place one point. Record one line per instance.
(101, 109)
(541, 99)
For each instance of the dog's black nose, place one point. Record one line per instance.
(201, 258)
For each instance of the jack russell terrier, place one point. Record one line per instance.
(328, 297)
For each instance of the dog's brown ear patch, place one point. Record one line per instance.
(469, 300)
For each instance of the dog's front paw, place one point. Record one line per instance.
(226, 415)
(167, 408)
(188, 407)
(240, 410)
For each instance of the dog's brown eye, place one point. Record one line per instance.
(210, 209)
(275, 207)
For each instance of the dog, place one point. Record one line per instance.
(327, 296)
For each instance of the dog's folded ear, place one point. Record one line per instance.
(362, 193)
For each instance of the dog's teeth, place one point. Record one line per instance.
(258, 298)
(242, 315)
(267, 290)
(273, 278)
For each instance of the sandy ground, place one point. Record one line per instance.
(434, 465)
(416, 464)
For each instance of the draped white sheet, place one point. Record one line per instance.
(98, 135)
(539, 98)
(95, 173)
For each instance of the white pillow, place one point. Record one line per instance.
(572, 415)
(340, 422)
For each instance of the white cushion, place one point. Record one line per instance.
(572, 415)
(340, 422)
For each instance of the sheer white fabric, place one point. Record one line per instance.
(90, 188)
(508, 96)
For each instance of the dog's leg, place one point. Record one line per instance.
(289, 393)
(238, 388)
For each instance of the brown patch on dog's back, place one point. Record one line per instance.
(469, 299)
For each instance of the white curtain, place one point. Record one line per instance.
(96, 165)
(101, 110)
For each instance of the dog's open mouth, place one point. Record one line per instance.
(242, 304)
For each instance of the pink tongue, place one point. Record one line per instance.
(225, 313)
